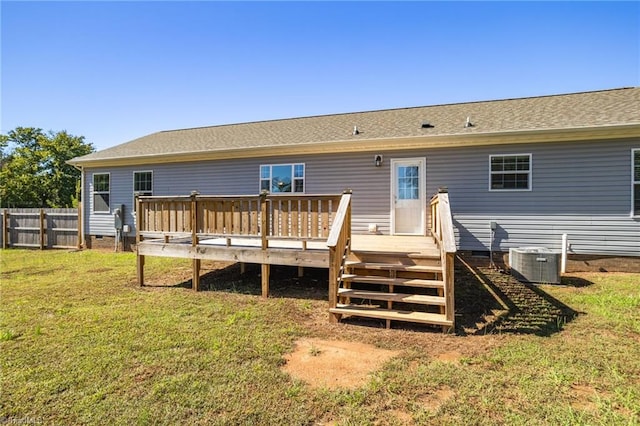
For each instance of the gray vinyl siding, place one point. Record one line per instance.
(581, 188)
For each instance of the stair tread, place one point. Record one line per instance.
(391, 314)
(433, 254)
(393, 266)
(394, 297)
(409, 282)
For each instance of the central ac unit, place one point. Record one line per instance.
(535, 264)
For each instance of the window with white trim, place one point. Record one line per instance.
(143, 183)
(278, 178)
(101, 192)
(635, 178)
(510, 172)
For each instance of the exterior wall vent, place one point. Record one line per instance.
(535, 264)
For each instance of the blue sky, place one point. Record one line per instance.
(114, 71)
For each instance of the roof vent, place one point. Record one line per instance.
(468, 123)
(427, 125)
(355, 130)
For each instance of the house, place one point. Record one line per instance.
(532, 169)
(517, 172)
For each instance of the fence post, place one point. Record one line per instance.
(42, 219)
(5, 228)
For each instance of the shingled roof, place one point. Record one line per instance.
(385, 128)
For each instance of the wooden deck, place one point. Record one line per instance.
(305, 231)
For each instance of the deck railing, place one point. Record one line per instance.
(339, 243)
(301, 217)
(441, 226)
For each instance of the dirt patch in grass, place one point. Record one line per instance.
(452, 357)
(583, 396)
(331, 364)
(435, 400)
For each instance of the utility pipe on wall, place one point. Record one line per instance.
(563, 263)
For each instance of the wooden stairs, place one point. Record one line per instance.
(394, 286)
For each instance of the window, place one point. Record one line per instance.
(408, 183)
(636, 181)
(143, 183)
(101, 192)
(276, 178)
(510, 172)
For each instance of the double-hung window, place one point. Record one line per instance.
(143, 183)
(510, 172)
(277, 178)
(101, 192)
(635, 159)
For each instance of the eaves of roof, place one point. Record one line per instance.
(550, 135)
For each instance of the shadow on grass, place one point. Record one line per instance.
(487, 301)
(491, 301)
(283, 282)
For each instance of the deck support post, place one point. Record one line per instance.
(139, 225)
(140, 265)
(196, 274)
(243, 268)
(194, 240)
(333, 286)
(266, 269)
(449, 294)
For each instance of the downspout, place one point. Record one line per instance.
(82, 197)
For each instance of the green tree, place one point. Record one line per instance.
(34, 170)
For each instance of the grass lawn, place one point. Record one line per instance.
(80, 343)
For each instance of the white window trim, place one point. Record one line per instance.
(530, 188)
(133, 184)
(292, 165)
(634, 182)
(94, 192)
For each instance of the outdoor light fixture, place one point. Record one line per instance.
(378, 160)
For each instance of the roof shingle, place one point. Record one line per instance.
(569, 111)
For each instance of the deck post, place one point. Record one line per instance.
(243, 268)
(333, 286)
(266, 269)
(449, 294)
(139, 226)
(264, 220)
(301, 268)
(194, 240)
(196, 274)
(140, 265)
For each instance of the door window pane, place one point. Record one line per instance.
(408, 183)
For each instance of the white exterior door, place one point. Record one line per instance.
(408, 205)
